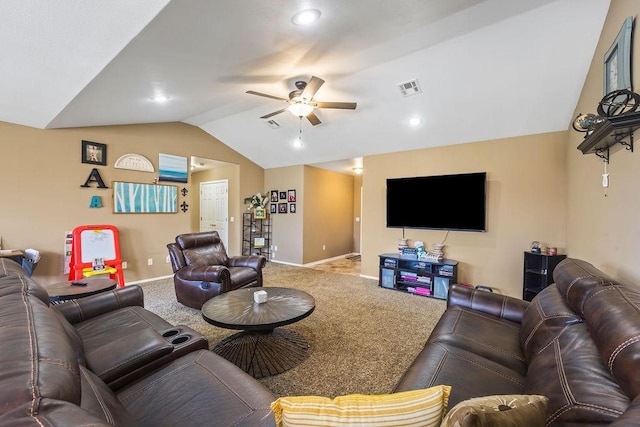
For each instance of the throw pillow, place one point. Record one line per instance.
(407, 408)
(505, 411)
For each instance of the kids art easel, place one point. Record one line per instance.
(91, 243)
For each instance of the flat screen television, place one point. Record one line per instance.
(442, 202)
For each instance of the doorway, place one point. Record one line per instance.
(214, 207)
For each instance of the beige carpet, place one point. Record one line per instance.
(349, 265)
(362, 337)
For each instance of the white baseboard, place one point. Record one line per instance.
(277, 261)
(310, 264)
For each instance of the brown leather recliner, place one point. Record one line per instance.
(202, 269)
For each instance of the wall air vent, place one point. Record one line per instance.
(409, 88)
(273, 124)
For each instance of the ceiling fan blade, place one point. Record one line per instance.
(313, 119)
(341, 105)
(312, 87)
(253, 92)
(274, 113)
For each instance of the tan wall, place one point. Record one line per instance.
(603, 226)
(41, 174)
(357, 211)
(526, 194)
(287, 233)
(328, 219)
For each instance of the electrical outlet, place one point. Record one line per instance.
(150, 261)
(168, 260)
(124, 265)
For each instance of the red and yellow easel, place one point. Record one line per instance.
(91, 242)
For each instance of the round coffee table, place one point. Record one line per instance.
(65, 291)
(262, 348)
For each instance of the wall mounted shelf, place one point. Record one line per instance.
(615, 130)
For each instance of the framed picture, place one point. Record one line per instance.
(274, 196)
(259, 213)
(292, 195)
(282, 208)
(172, 168)
(292, 207)
(94, 153)
(273, 208)
(133, 197)
(617, 60)
(283, 195)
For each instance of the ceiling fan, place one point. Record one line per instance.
(301, 102)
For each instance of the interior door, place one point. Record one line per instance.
(214, 208)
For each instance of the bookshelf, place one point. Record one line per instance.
(256, 235)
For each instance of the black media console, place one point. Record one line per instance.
(408, 273)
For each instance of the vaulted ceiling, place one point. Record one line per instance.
(486, 69)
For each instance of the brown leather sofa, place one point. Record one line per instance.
(104, 360)
(577, 343)
(202, 269)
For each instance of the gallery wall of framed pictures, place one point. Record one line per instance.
(282, 202)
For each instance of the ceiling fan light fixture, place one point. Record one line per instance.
(306, 17)
(300, 110)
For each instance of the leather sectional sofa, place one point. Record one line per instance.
(577, 343)
(104, 360)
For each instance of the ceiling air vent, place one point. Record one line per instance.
(273, 124)
(409, 88)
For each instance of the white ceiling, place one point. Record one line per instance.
(487, 69)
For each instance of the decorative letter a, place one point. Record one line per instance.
(94, 176)
(96, 202)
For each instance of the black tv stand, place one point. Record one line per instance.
(408, 273)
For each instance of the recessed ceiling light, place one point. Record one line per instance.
(160, 98)
(414, 121)
(306, 17)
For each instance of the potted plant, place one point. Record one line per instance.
(257, 202)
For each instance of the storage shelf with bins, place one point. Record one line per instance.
(417, 276)
(256, 235)
(538, 273)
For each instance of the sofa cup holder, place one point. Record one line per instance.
(181, 339)
(170, 333)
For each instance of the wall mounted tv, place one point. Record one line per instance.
(442, 202)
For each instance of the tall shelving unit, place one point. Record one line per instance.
(538, 273)
(256, 235)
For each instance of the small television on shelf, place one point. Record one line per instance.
(440, 202)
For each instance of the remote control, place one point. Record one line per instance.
(78, 283)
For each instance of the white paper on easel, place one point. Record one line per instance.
(97, 244)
